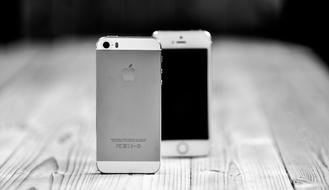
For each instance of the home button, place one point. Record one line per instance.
(182, 148)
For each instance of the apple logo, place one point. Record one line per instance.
(128, 74)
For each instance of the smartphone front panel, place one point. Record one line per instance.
(185, 94)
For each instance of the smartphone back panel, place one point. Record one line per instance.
(128, 104)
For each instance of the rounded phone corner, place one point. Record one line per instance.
(206, 152)
(155, 43)
(208, 35)
(149, 167)
(101, 39)
(156, 167)
(99, 167)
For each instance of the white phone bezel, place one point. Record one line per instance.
(178, 40)
(129, 43)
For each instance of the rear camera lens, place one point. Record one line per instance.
(106, 45)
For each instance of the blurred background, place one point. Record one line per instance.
(269, 121)
(297, 21)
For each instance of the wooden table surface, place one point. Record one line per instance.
(269, 121)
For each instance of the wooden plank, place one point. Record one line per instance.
(292, 90)
(56, 108)
(244, 155)
(13, 60)
(59, 151)
(48, 112)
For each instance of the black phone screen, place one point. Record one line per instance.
(184, 94)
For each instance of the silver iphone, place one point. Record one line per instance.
(128, 105)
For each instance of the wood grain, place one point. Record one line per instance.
(251, 152)
(58, 150)
(13, 60)
(268, 121)
(292, 88)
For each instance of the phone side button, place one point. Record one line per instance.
(182, 148)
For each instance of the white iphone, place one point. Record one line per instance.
(185, 92)
(128, 105)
